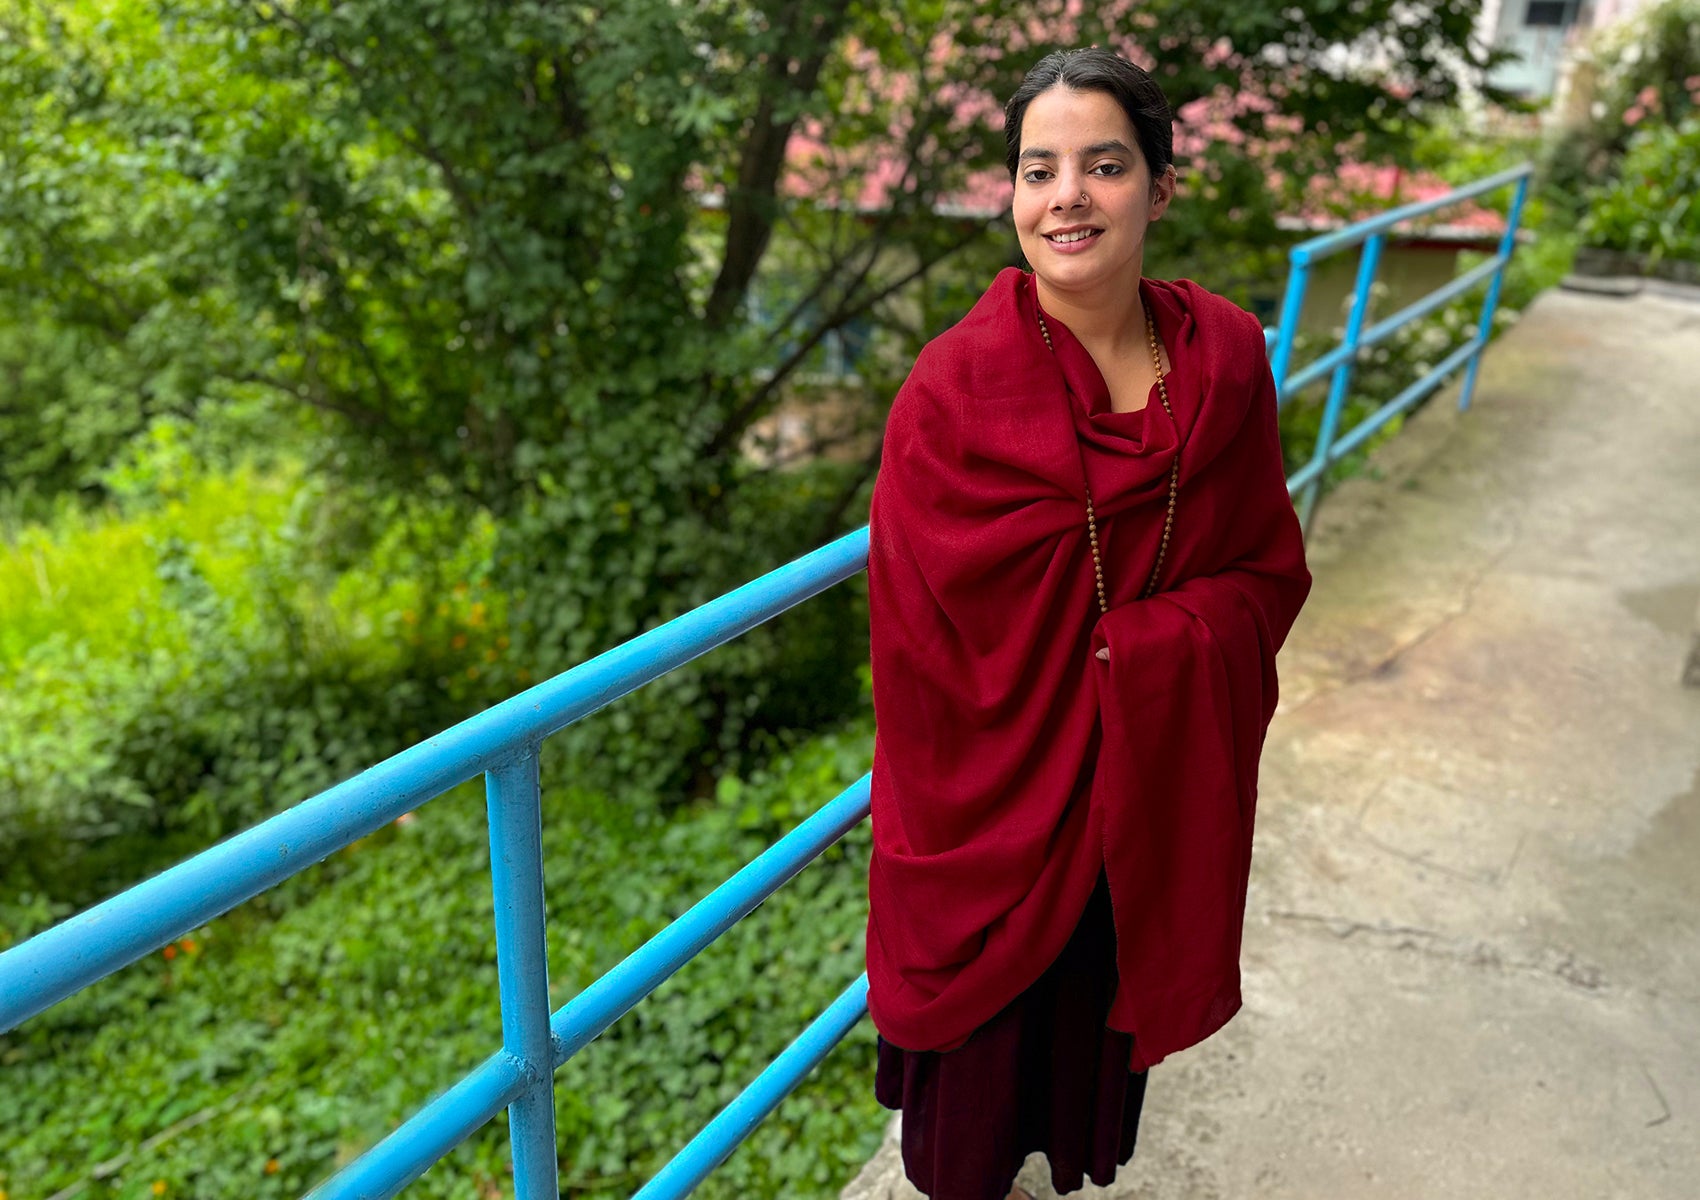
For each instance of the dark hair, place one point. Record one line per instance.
(1098, 70)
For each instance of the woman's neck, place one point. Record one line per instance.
(1110, 318)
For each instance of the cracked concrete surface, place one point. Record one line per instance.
(1472, 954)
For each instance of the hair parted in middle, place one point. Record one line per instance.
(1095, 69)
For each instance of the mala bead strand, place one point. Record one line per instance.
(1174, 475)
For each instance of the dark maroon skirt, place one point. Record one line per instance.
(1044, 1074)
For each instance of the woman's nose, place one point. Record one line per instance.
(1069, 193)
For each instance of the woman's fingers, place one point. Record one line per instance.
(1104, 654)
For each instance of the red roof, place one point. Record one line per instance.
(865, 177)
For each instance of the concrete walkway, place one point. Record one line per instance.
(1472, 958)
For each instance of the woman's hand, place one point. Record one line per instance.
(1104, 654)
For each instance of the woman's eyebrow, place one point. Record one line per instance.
(1114, 146)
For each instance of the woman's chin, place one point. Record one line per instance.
(1083, 277)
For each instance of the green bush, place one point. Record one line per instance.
(1637, 71)
(172, 674)
(1650, 208)
(257, 1055)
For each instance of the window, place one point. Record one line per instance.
(1551, 13)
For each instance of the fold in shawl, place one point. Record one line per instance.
(1011, 765)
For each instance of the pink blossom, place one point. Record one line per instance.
(1648, 96)
(1633, 114)
(1692, 83)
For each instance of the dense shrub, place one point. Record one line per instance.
(173, 674)
(1651, 207)
(1638, 71)
(255, 1056)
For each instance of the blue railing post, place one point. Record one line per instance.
(1368, 260)
(1292, 306)
(522, 969)
(1506, 245)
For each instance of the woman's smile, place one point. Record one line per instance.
(1073, 239)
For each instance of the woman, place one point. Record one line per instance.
(1083, 560)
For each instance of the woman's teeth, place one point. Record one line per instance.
(1077, 236)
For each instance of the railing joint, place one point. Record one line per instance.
(513, 755)
(534, 1076)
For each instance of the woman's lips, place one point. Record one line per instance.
(1076, 245)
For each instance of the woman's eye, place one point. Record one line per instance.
(1037, 175)
(1108, 168)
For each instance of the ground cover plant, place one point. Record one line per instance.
(175, 668)
(280, 1040)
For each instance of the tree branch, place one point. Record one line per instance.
(750, 202)
(751, 408)
(360, 416)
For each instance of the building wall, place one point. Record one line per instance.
(1540, 46)
(1407, 272)
(1545, 48)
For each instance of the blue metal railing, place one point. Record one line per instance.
(502, 744)
(1331, 444)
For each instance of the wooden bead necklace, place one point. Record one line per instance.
(1174, 471)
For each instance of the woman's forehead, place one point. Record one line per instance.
(1063, 121)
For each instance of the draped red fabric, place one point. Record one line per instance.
(1011, 765)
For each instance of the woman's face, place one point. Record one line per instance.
(1083, 192)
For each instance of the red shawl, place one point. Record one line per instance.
(1011, 765)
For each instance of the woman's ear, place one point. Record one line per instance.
(1162, 191)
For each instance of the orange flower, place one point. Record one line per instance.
(271, 1166)
(170, 951)
(190, 946)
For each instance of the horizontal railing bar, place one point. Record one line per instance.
(739, 1119)
(111, 935)
(605, 1001)
(610, 997)
(1304, 475)
(444, 1123)
(1366, 429)
(1382, 330)
(1299, 380)
(1322, 246)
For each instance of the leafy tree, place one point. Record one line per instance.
(552, 261)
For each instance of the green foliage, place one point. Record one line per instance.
(173, 674)
(1639, 70)
(1650, 208)
(259, 1054)
(467, 247)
